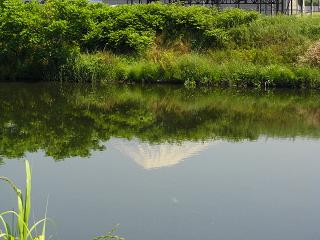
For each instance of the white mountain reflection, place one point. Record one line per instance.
(151, 156)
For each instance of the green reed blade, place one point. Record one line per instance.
(27, 206)
(23, 231)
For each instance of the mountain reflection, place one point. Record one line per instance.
(67, 120)
(151, 156)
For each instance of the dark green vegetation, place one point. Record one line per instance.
(73, 40)
(66, 121)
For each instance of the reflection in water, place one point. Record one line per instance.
(68, 120)
(151, 156)
(253, 190)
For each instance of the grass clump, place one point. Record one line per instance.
(23, 231)
(86, 67)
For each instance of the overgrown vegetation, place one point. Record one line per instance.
(72, 40)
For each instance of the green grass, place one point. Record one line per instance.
(194, 69)
(23, 231)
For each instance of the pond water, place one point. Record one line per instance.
(163, 162)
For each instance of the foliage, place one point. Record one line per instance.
(24, 232)
(37, 39)
(32, 42)
(133, 28)
(73, 40)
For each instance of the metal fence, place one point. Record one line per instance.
(268, 7)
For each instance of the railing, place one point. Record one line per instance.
(268, 7)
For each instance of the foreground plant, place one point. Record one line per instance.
(110, 236)
(22, 231)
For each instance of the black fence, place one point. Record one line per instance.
(269, 7)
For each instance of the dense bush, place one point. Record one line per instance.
(32, 41)
(132, 28)
(36, 39)
(78, 41)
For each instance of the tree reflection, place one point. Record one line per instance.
(68, 120)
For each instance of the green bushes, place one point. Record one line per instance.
(133, 28)
(36, 40)
(33, 43)
(77, 41)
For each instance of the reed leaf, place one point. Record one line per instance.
(24, 232)
(27, 206)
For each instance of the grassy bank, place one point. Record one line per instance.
(223, 69)
(82, 42)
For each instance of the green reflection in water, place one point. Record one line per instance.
(68, 120)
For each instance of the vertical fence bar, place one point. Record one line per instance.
(260, 6)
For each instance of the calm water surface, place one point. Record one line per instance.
(165, 163)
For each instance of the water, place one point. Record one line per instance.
(163, 162)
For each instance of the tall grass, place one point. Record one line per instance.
(22, 231)
(193, 69)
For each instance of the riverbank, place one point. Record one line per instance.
(81, 42)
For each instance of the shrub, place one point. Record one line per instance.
(32, 42)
